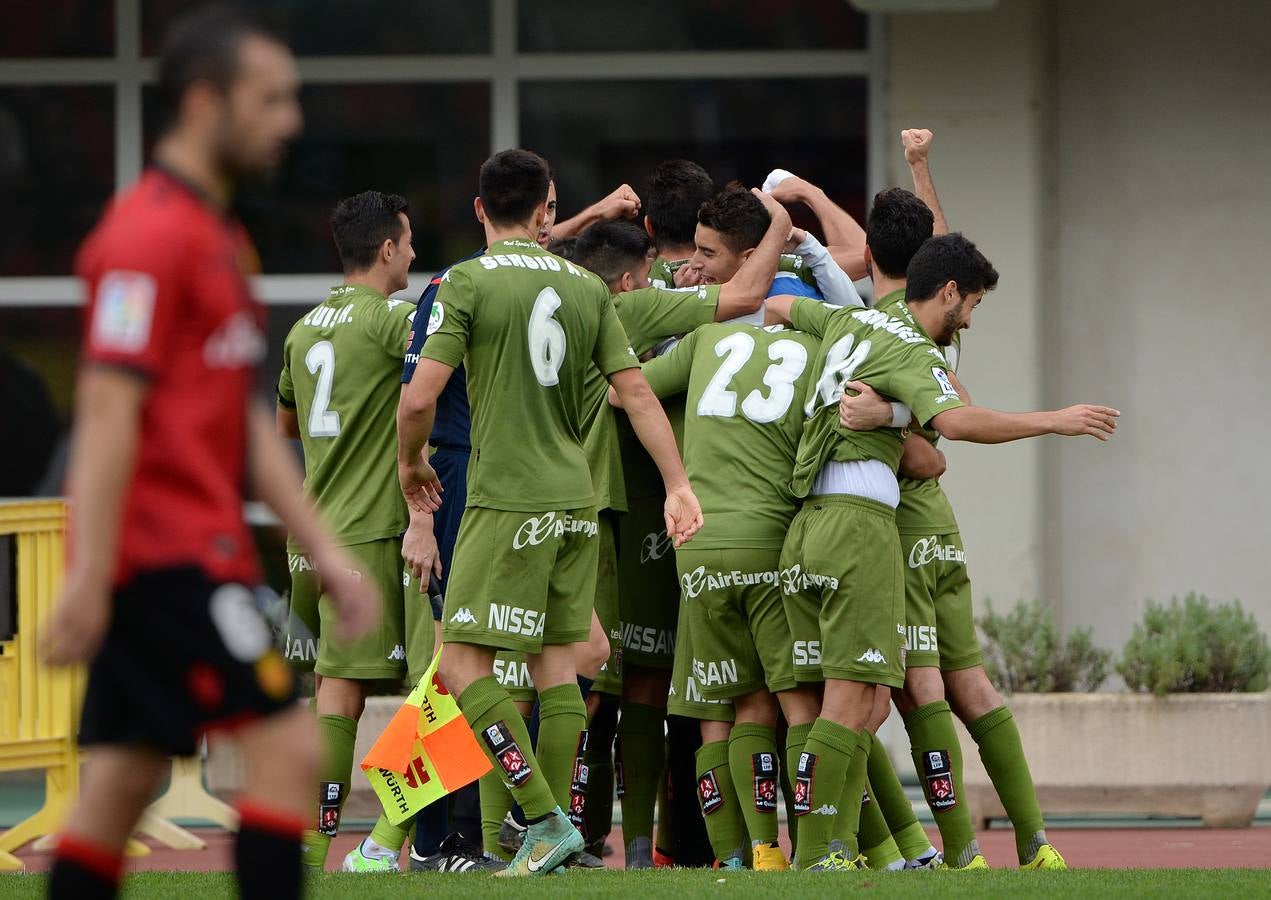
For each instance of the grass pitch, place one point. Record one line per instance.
(723, 886)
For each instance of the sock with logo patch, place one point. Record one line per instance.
(1003, 755)
(501, 732)
(599, 809)
(336, 736)
(752, 761)
(897, 812)
(847, 825)
(562, 718)
(796, 737)
(719, 801)
(820, 785)
(642, 755)
(938, 760)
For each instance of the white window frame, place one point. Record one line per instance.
(503, 68)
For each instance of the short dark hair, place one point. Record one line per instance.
(738, 216)
(611, 248)
(203, 45)
(362, 223)
(945, 258)
(673, 194)
(563, 247)
(897, 224)
(513, 183)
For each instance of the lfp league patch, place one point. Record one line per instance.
(803, 775)
(764, 767)
(508, 754)
(708, 792)
(938, 775)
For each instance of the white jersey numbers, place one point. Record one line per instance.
(841, 362)
(320, 359)
(789, 360)
(547, 338)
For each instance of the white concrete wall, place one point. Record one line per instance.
(1113, 159)
(975, 79)
(1160, 304)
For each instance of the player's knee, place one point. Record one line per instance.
(591, 654)
(971, 694)
(923, 685)
(759, 707)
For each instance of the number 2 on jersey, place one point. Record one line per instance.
(546, 338)
(320, 359)
(789, 360)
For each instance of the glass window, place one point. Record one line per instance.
(349, 27)
(424, 141)
(58, 28)
(598, 135)
(57, 169)
(566, 25)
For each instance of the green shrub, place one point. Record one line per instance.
(1023, 652)
(1196, 646)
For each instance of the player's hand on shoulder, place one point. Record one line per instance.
(622, 203)
(80, 620)
(1085, 418)
(864, 411)
(355, 598)
(917, 144)
(420, 485)
(683, 514)
(419, 550)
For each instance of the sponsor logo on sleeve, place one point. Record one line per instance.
(124, 312)
(436, 316)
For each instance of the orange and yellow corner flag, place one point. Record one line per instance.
(426, 751)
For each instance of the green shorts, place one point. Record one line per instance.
(379, 654)
(740, 638)
(685, 695)
(520, 580)
(301, 647)
(511, 671)
(609, 681)
(845, 592)
(938, 602)
(421, 634)
(648, 586)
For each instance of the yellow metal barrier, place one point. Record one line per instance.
(39, 706)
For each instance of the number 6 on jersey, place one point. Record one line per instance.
(546, 338)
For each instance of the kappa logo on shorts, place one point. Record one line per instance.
(536, 529)
(872, 655)
(463, 616)
(655, 546)
(794, 579)
(929, 550)
(700, 580)
(398, 653)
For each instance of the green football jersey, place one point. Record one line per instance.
(662, 272)
(792, 262)
(652, 315)
(890, 353)
(527, 324)
(924, 508)
(746, 385)
(342, 373)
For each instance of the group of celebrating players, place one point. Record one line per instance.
(666, 489)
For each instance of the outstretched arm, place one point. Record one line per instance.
(844, 237)
(981, 425)
(743, 294)
(917, 144)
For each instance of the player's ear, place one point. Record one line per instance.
(627, 283)
(648, 227)
(745, 254)
(479, 208)
(952, 297)
(387, 249)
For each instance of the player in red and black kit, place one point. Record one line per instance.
(158, 595)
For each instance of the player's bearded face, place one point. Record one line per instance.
(958, 318)
(262, 110)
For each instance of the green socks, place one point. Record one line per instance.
(847, 824)
(752, 762)
(562, 717)
(1003, 754)
(820, 776)
(336, 735)
(894, 806)
(718, 798)
(796, 738)
(388, 835)
(496, 803)
(938, 760)
(641, 755)
(502, 735)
